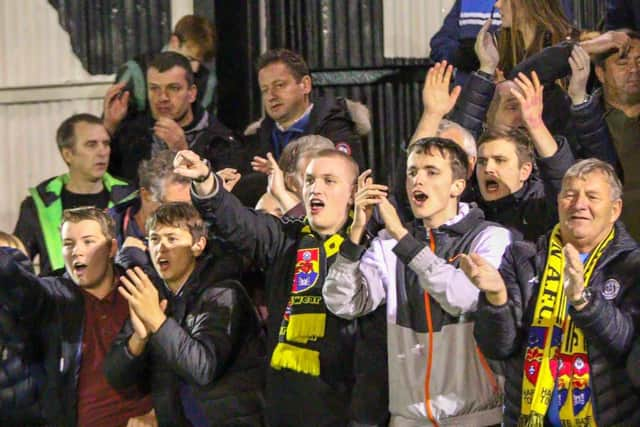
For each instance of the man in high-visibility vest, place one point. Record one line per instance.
(85, 147)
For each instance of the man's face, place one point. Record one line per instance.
(88, 157)
(431, 188)
(170, 95)
(586, 210)
(87, 253)
(171, 192)
(284, 98)
(505, 113)
(173, 252)
(621, 76)
(498, 170)
(327, 193)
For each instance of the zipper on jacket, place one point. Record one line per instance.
(427, 306)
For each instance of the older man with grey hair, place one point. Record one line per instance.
(570, 302)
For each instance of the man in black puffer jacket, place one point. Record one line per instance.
(204, 358)
(601, 299)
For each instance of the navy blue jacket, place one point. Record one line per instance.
(608, 322)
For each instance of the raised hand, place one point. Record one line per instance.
(580, 68)
(115, 106)
(190, 165)
(143, 299)
(367, 196)
(392, 222)
(230, 177)
(485, 277)
(573, 273)
(486, 49)
(170, 132)
(530, 99)
(436, 97)
(617, 40)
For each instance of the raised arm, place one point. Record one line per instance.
(256, 235)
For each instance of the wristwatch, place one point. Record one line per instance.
(205, 177)
(584, 298)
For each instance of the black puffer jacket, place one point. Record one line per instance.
(210, 344)
(21, 378)
(608, 321)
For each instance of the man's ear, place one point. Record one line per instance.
(306, 84)
(193, 93)
(198, 247)
(66, 153)
(291, 183)
(457, 187)
(114, 248)
(525, 171)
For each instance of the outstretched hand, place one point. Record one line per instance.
(530, 98)
(367, 196)
(485, 277)
(436, 97)
(486, 49)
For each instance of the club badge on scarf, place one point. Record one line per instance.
(556, 354)
(304, 317)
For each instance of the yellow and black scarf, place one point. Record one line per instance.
(304, 318)
(556, 349)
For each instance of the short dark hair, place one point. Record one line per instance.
(181, 215)
(66, 133)
(154, 171)
(518, 136)
(164, 61)
(294, 62)
(458, 158)
(198, 31)
(599, 59)
(90, 213)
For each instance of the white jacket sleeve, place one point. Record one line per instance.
(355, 287)
(448, 285)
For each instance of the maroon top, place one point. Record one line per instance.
(99, 404)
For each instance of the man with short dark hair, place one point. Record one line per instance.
(285, 84)
(563, 313)
(194, 37)
(174, 121)
(511, 193)
(414, 270)
(204, 359)
(77, 317)
(84, 145)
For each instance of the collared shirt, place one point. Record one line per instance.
(280, 137)
(99, 404)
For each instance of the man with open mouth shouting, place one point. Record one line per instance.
(311, 351)
(413, 269)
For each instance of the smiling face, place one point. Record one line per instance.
(328, 193)
(499, 171)
(284, 98)
(88, 157)
(88, 255)
(587, 210)
(170, 94)
(431, 187)
(173, 253)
